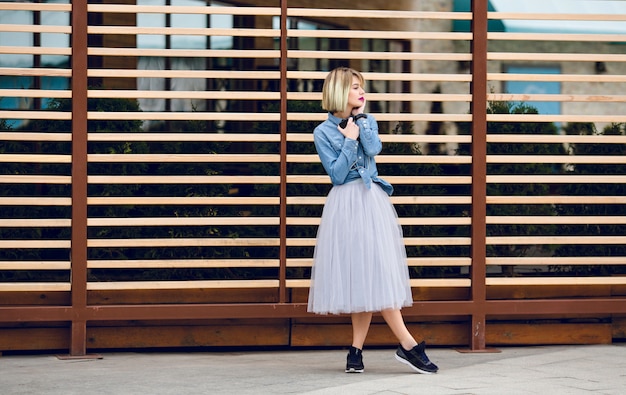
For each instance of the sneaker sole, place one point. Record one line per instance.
(353, 370)
(404, 361)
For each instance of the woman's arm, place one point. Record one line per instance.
(337, 166)
(368, 135)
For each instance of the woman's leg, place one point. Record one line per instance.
(394, 319)
(360, 327)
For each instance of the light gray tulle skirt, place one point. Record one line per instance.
(359, 263)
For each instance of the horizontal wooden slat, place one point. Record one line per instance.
(369, 76)
(416, 283)
(30, 72)
(34, 287)
(556, 77)
(396, 138)
(153, 9)
(180, 263)
(35, 201)
(555, 98)
(180, 53)
(310, 179)
(38, 179)
(41, 93)
(208, 284)
(55, 115)
(209, 74)
(184, 221)
(395, 199)
(443, 282)
(387, 34)
(49, 7)
(557, 179)
(554, 219)
(151, 137)
(323, 179)
(235, 116)
(441, 159)
(555, 138)
(556, 57)
(552, 260)
(184, 158)
(34, 222)
(200, 95)
(35, 28)
(411, 261)
(364, 13)
(443, 261)
(182, 200)
(600, 160)
(203, 221)
(245, 95)
(180, 116)
(409, 241)
(35, 265)
(189, 31)
(183, 242)
(10, 244)
(576, 37)
(452, 57)
(180, 179)
(20, 50)
(535, 281)
(35, 158)
(429, 97)
(30, 136)
(392, 117)
(441, 221)
(555, 118)
(555, 16)
(403, 221)
(556, 199)
(442, 241)
(544, 240)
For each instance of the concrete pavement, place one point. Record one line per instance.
(553, 370)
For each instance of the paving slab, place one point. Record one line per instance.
(552, 370)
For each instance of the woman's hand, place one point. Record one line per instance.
(351, 130)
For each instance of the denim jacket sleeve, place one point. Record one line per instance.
(345, 159)
(337, 153)
(368, 135)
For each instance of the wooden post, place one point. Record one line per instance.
(78, 333)
(283, 154)
(479, 173)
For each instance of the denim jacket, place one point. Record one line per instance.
(345, 159)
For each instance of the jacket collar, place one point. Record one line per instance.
(335, 120)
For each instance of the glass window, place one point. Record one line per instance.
(178, 41)
(536, 87)
(28, 39)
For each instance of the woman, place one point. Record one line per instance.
(359, 264)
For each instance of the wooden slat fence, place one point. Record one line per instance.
(165, 158)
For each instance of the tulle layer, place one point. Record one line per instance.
(359, 261)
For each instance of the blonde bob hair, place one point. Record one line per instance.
(337, 87)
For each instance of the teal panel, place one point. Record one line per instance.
(463, 26)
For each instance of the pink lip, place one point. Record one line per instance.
(361, 98)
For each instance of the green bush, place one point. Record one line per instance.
(522, 189)
(592, 189)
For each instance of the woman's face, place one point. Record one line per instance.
(356, 97)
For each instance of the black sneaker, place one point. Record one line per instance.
(416, 358)
(355, 361)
